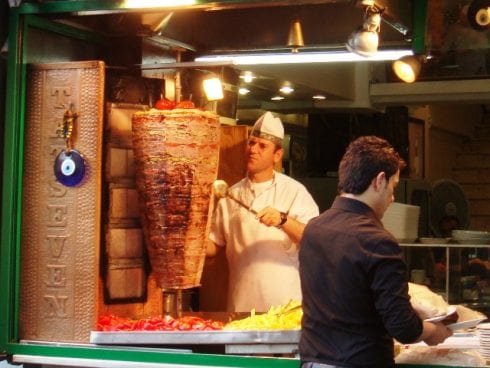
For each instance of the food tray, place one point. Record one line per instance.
(194, 337)
(234, 342)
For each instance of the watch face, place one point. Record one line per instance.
(284, 218)
(69, 167)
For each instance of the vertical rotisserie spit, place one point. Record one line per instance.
(176, 157)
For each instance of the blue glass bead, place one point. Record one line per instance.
(69, 167)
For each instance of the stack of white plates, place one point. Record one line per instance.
(484, 337)
(471, 236)
(402, 220)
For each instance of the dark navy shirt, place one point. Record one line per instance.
(355, 290)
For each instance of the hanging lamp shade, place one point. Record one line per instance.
(364, 41)
(295, 38)
(407, 68)
(479, 15)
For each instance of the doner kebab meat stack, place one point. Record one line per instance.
(176, 160)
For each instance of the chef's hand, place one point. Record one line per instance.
(435, 333)
(269, 216)
(293, 228)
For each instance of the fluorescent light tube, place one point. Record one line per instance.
(310, 57)
(141, 4)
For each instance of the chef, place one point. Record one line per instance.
(262, 247)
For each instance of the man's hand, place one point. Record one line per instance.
(269, 216)
(211, 248)
(435, 333)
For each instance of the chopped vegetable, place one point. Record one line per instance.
(164, 104)
(186, 104)
(159, 323)
(285, 317)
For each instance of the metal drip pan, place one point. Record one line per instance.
(194, 337)
(235, 342)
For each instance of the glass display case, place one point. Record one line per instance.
(459, 272)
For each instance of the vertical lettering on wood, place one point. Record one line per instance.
(56, 276)
(55, 306)
(57, 215)
(56, 244)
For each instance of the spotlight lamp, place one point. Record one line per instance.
(364, 41)
(407, 68)
(213, 88)
(479, 15)
(295, 37)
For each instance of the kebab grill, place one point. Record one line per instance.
(176, 155)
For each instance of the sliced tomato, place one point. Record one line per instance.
(186, 104)
(157, 323)
(216, 325)
(164, 104)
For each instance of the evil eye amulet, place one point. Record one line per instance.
(69, 167)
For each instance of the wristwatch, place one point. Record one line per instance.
(284, 218)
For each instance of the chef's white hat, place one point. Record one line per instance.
(270, 128)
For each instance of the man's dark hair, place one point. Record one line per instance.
(363, 160)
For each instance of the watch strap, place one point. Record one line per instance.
(284, 218)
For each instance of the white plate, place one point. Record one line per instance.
(450, 310)
(484, 326)
(470, 233)
(476, 241)
(463, 325)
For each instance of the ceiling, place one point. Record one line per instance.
(325, 26)
(263, 26)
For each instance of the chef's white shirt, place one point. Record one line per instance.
(262, 260)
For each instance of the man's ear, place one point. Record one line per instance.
(278, 155)
(379, 181)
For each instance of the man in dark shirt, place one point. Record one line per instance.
(353, 276)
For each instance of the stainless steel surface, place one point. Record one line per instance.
(261, 349)
(194, 337)
(173, 303)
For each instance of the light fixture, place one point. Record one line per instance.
(213, 88)
(365, 2)
(301, 57)
(407, 68)
(277, 98)
(247, 76)
(286, 89)
(140, 4)
(364, 41)
(243, 91)
(479, 15)
(319, 97)
(295, 37)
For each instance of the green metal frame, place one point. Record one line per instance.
(419, 27)
(20, 19)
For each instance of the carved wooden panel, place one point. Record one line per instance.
(61, 224)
